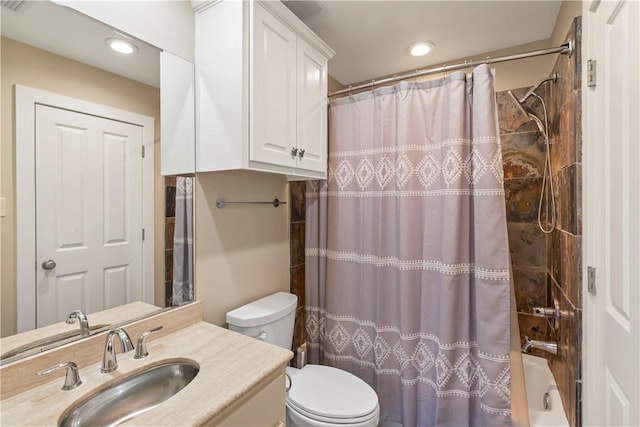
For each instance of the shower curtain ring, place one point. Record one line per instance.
(350, 94)
(488, 60)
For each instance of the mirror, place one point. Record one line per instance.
(58, 50)
(18, 346)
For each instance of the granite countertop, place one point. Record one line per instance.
(231, 365)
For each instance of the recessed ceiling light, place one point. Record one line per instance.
(121, 46)
(421, 49)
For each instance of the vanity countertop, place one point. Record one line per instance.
(230, 366)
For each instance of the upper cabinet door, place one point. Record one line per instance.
(273, 109)
(312, 109)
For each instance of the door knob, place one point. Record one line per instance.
(49, 264)
(294, 151)
(301, 153)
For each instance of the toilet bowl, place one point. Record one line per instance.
(320, 396)
(323, 396)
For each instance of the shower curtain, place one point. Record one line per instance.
(183, 242)
(407, 260)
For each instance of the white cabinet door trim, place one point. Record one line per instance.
(273, 91)
(311, 109)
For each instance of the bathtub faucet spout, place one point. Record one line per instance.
(548, 346)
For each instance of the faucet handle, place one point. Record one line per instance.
(72, 377)
(552, 313)
(141, 349)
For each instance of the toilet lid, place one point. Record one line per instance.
(331, 393)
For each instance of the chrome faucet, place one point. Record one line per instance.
(109, 361)
(82, 319)
(548, 346)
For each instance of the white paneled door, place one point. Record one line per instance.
(611, 354)
(88, 213)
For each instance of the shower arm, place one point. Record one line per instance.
(553, 77)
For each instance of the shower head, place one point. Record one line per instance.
(520, 105)
(524, 109)
(553, 77)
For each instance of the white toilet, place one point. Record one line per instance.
(320, 396)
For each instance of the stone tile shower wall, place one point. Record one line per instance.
(564, 245)
(297, 215)
(523, 152)
(546, 268)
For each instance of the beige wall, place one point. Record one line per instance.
(42, 70)
(568, 11)
(242, 252)
(333, 85)
(523, 72)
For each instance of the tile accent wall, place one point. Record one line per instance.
(297, 214)
(523, 155)
(546, 267)
(169, 224)
(564, 246)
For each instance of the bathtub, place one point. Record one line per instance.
(541, 387)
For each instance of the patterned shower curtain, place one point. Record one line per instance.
(407, 259)
(183, 242)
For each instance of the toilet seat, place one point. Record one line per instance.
(332, 395)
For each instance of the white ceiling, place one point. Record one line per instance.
(371, 37)
(68, 33)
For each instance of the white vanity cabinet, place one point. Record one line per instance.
(261, 90)
(264, 405)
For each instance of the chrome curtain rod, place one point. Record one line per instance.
(565, 49)
(221, 203)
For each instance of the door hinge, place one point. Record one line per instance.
(591, 280)
(143, 234)
(591, 73)
(143, 151)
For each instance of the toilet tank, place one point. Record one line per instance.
(270, 319)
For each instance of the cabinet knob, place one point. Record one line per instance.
(294, 152)
(301, 153)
